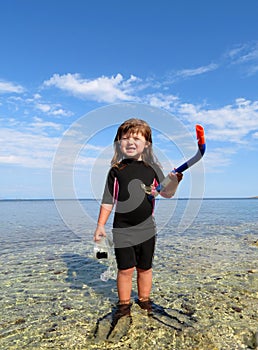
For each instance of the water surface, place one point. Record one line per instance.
(205, 276)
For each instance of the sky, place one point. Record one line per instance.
(71, 71)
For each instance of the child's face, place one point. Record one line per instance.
(132, 145)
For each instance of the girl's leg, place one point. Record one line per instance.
(124, 285)
(144, 283)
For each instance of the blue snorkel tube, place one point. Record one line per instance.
(153, 192)
(199, 154)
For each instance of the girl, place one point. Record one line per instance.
(134, 230)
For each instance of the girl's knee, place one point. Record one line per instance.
(127, 272)
(144, 272)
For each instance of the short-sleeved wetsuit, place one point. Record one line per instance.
(133, 227)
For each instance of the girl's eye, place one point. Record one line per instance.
(138, 139)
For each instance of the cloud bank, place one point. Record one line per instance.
(31, 123)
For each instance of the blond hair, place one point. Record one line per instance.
(134, 126)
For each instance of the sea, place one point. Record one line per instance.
(205, 278)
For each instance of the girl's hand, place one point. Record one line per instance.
(170, 189)
(172, 176)
(179, 176)
(99, 233)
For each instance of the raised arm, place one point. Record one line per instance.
(170, 189)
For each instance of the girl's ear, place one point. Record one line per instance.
(147, 144)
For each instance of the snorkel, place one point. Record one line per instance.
(153, 192)
(199, 154)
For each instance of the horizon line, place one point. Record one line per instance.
(98, 199)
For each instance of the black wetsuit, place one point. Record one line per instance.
(133, 219)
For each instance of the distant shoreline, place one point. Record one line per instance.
(98, 199)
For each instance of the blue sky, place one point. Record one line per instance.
(62, 60)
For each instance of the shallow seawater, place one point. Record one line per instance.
(205, 284)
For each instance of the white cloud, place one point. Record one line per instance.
(61, 112)
(244, 53)
(161, 100)
(246, 56)
(31, 145)
(9, 87)
(52, 109)
(26, 149)
(185, 73)
(230, 123)
(36, 102)
(28, 142)
(102, 89)
(43, 107)
(41, 124)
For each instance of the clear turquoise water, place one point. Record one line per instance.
(52, 296)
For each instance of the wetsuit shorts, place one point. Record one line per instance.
(140, 255)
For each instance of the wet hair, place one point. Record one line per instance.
(134, 126)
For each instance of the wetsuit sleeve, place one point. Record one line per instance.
(108, 194)
(159, 173)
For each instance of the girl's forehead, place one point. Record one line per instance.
(133, 132)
